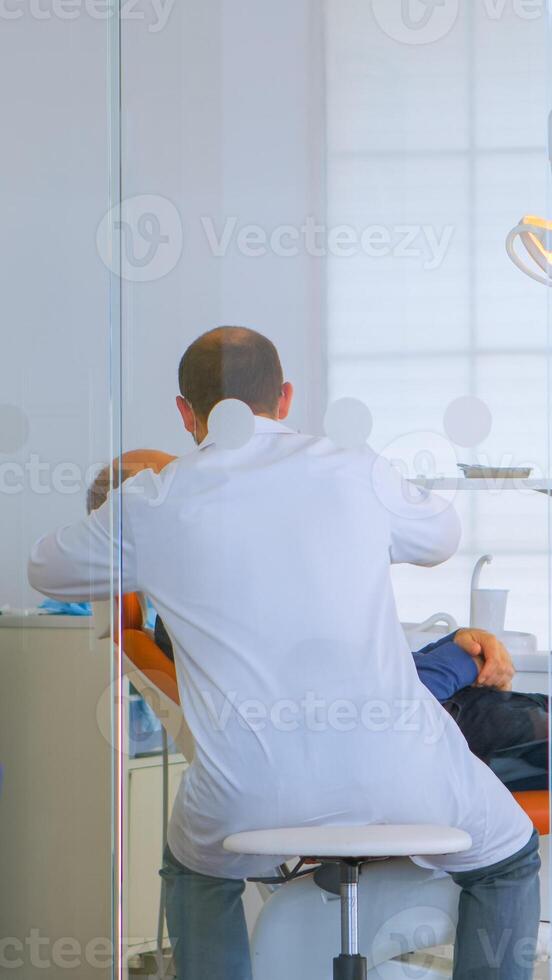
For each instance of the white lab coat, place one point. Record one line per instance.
(270, 567)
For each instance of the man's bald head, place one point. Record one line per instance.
(231, 362)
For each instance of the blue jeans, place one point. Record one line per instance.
(498, 918)
(206, 923)
(497, 926)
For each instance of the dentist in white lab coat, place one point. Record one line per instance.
(270, 567)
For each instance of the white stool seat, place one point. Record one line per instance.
(375, 840)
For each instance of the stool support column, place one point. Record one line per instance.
(349, 914)
(349, 965)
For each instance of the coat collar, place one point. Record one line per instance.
(263, 426)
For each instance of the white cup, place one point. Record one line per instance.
(488, 609)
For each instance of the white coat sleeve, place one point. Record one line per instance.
(424, 527)
(78, 563)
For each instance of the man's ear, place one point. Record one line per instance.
(285, 400)
(187, 413)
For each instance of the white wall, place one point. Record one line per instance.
(222, 117)
(274, 174)
(54, 288)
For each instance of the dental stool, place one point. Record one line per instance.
(350, 847)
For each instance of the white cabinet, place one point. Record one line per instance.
(55, 808)
(56, 815)
(144, 844)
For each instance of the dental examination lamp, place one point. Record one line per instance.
(536, 235)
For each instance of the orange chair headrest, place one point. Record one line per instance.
(132, 612)
(152, 662)
(143, 652)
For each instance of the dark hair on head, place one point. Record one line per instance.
(231, 362)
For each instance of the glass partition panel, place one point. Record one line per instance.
(57, 803)
(222, 184)
(348, 179)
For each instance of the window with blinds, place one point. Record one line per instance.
(436, 148)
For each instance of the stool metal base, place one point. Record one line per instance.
(347, 967)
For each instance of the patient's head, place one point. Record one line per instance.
(132, 462)
(231, 362)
